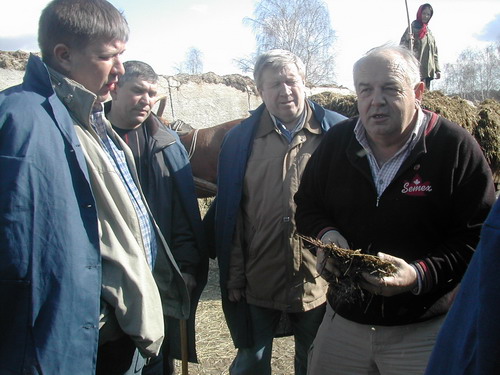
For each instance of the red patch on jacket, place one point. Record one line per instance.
(416, 187)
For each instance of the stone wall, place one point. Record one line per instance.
(203, 104)
(206, 100)
(202, 100)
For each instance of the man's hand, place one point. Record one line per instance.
(190, 281)
(324, 265)
(235, 295)
(404, 280)
(333, 236)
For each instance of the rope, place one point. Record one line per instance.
(192, 147)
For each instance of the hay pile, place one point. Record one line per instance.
(15, 60)
(482, 120)
(487, 132)
(236, 81)
(346, 105)
(453, 108)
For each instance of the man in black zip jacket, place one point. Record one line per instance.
(406, 185)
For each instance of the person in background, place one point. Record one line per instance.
(424, 45)
(167, 182)
(408, 186)
(469, 340)
(264, 270)
(78, 242)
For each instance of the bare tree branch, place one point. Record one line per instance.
(300, 26)
(193, 63)
(475, 75)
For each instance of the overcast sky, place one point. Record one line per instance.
(163, 31)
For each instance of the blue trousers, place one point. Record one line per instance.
(257, 359)
(160, 365)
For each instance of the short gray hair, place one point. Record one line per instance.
(276, 59)
(137, 69)
(411, 68)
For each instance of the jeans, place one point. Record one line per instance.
(138, 362)
(257, 359)
(160, 365)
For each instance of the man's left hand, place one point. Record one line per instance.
(404, 280)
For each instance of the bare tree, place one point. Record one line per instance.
(300, 26)
(193, 62)
(475, 75)
(490, 74)
(246, 64)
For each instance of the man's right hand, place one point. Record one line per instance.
(235, 295)
(324, 265)
(333, 236)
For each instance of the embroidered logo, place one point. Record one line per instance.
(416, 187)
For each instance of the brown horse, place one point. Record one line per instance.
(203, 147)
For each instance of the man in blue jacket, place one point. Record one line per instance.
(49, 258)
(167, 182)
(77, 241)
(469, 340)
(265, 273)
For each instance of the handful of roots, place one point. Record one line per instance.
(351, 264)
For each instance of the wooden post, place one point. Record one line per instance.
(184, 346)
(410, 32)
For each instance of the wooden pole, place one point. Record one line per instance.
(184, 346)
(409, 26)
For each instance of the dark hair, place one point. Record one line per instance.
(76, 23)
(137, 69)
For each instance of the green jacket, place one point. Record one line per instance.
(425, 50)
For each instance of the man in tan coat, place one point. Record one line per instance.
(265, 271)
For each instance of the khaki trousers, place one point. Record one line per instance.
(343, 347)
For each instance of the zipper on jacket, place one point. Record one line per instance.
(378, 200)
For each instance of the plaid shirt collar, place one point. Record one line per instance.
(384, 174)
(422, 120)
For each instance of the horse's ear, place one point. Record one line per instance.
(161, 106)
